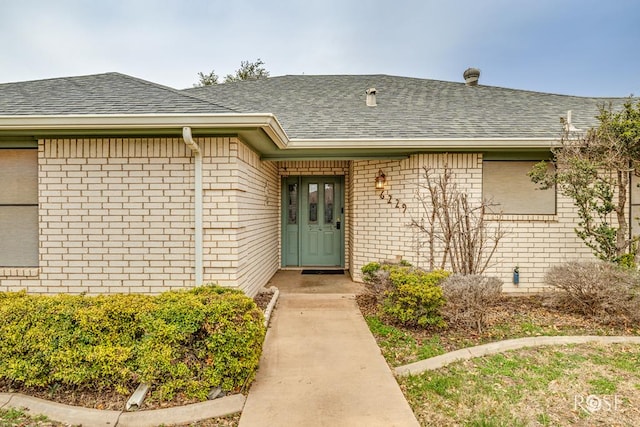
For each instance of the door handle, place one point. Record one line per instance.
(338, 224)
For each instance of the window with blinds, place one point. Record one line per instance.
(508, 188)
(18, 207)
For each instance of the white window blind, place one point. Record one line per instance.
(506, 185)
(18, 207)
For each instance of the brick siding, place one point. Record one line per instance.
(117, 215)
(382, 232)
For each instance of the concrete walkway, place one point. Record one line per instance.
(322, 367)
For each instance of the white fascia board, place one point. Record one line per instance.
(423, 143)
(268, 122)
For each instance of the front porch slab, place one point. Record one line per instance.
(293, 281)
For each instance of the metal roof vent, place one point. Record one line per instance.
(371, 97)
(568, 124)
(471, 76)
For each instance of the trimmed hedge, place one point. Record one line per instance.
(179, 341)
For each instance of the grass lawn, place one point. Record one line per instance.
(583, 385)
(17, 417)
(20, 418)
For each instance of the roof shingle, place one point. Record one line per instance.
(109, 93)
(319, 107)
(334, 107)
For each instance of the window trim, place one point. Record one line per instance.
(28, 270)
(517, 216)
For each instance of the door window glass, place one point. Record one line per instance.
(313, 203)
(293, 204)
(328, 203)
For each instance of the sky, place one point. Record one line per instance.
(574, 47)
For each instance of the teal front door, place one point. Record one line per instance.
(313, 221)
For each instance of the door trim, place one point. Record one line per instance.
(286, 229)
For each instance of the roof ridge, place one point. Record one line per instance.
(130, 78)
(175, 91)
(60, 78)
(563, 95)
(425, 79)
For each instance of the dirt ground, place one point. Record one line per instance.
(511, 317)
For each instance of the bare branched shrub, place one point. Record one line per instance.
(456, 229)
(376, 280)
(468, 297)
(595, 288)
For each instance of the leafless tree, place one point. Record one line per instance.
(458, 233)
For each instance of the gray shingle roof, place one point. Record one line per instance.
(334, 107)
(320, 106)
(109, 93)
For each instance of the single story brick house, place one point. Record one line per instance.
(114, 184)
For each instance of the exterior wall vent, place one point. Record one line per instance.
(471, 76)
(371, 97)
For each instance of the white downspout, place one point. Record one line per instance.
(188, 139)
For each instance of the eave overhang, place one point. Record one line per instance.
(263, 132)
(422, 143)
(396, 148)
(152, 124)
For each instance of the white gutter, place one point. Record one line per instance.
(420, 143)
(198, 206)
(267, 122)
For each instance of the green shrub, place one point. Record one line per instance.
(628, 261)
(414, 296)
(369, 271)
(180, 341)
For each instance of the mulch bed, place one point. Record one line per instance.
(502, 317)
(263, 298)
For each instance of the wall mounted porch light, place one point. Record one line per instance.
(381, 180)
